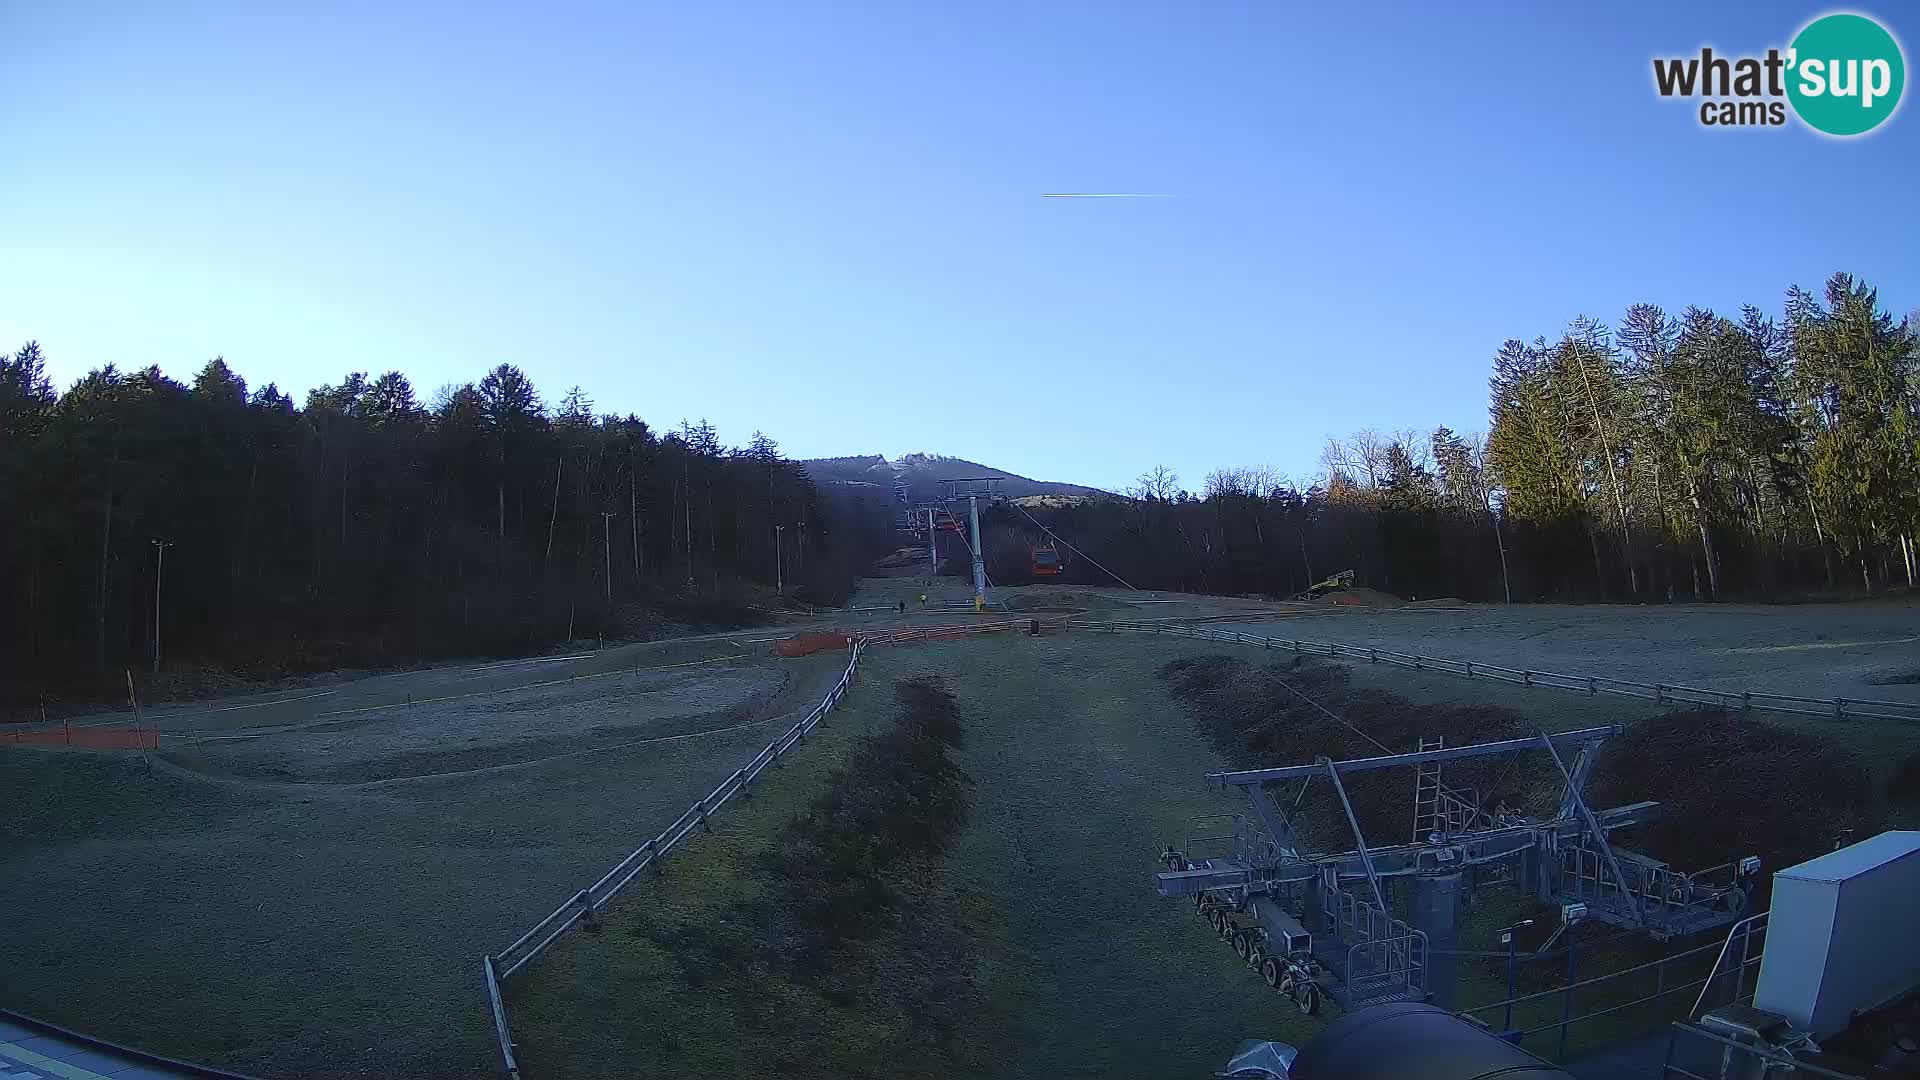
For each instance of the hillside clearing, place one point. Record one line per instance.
(329, 901)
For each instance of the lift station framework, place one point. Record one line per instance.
(1330, 919)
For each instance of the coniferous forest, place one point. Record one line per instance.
(1698, 456)
(1663, 457)
(364, 527)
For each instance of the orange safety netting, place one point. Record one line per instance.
(808, 644)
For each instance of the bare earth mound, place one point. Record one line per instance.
(1361, 596)
(1732, 785)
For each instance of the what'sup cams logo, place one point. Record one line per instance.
(1842, 76)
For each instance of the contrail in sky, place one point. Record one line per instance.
(1096, 195)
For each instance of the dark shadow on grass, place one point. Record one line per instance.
(857, 959)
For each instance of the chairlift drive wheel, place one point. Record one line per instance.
(1306, 998)
(1270, 971)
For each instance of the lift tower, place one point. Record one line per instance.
(973, 489)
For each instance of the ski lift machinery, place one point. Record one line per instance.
(972, 490)
(1314, 923)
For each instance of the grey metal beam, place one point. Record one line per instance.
(1402, 859)
(1640, 813)
(1231, 875)
(1397, 860)
(1475, 848)
(1577, 781)
(1388, 761)
(1599, 835)
(1279, 824)
(1359, 838)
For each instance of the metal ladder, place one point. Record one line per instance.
(1428, 816)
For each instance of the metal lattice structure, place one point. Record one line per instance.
(972, 490)
(1331, 918)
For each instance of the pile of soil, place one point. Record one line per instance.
(1904, 785)
(1731, 785)
(1264, 716)
(1361, 596)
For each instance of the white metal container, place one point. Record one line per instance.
(1839, 935)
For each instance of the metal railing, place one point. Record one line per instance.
(1384, 955)
(1742, 932)
(1732, 1058)
(1590, 685)
(589, 902)
(1618, 991)
(1663, 896)
(1197, 847)
(1386, 967)
(500, 1031)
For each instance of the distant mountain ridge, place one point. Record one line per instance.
(916, 477)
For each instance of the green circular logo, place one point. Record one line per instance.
(1845, 74)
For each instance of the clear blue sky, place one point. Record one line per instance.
(824, 220)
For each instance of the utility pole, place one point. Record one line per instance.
(159, 563)
(1506, 938)
(933, 546)
(979, 566)
(779, 584)
(633, 517)
(606, 522)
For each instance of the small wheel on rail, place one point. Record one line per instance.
(1225, 927)
(1200, 902)
(1306, 998)
(1256, 955)
(1270, 971)
(1242, 942)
